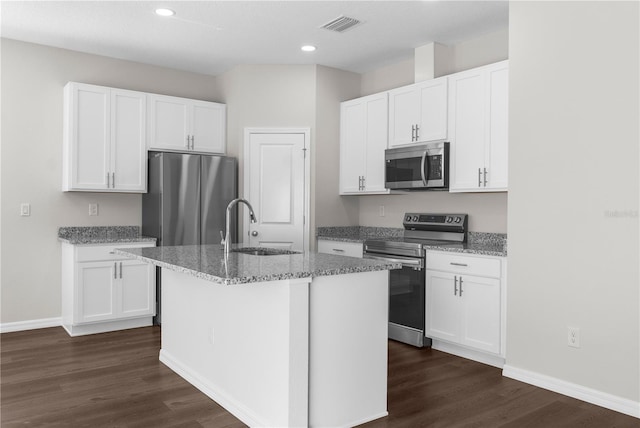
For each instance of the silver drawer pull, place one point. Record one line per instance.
(460, 284)
(458, 264)
(338, 250)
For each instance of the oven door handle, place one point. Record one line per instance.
(408, 262)
(423, 166)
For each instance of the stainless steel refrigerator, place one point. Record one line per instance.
(186, 201)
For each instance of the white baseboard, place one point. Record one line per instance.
(9, 327)
(470, 354)
(599, 398)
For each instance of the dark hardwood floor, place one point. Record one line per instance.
(48, 379)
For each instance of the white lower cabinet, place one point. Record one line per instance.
(341, 248)
(103, 291)
(464, 300)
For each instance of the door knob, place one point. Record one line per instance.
(254, 233)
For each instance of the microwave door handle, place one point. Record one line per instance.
(423, 167)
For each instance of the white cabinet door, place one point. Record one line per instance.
(481, 312)
(208, 127)
(168, 123)
(183, 124)
(352, 146)
(87, 137)
(363, 140)
(404, 114)
(463, 308)
(104, 139)
(442, 316)
(478, 129)
(138, 289)
(376, 143)
(433, 110)
(128, 148)
(418, 113)
(497, 153)
(467, 129)
(96, 299)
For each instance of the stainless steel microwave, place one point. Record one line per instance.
(422, 167)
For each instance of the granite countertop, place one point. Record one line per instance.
(481, 243)
(101, 235)
(208, 262)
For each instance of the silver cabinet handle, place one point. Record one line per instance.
(113, 180)
(192, 138)
(485, 177)
(455, 285)
(120, 270)
(458, 264)
(460, 286)
(187, 145)
(364, 183)
(108, 182)
(479, 178)
(338, 250)
(417, 133)
(115, 270)
(413, 133)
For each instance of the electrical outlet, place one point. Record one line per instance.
(381, 210)
(573, 338)
(93, 209)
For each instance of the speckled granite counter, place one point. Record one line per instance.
(208, 262)
(481, 243)
(357, 233)
(101, 235)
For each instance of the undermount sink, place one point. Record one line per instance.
(261, 251)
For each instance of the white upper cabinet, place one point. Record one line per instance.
(104, 139)
(363, 140)
(478, 128)
(183, 124)
(418, 113)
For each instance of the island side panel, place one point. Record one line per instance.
(245, 346)
(348, 322)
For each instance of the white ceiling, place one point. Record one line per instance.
(211, 37)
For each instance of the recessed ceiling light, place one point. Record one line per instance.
(165, 12)
(308, 48)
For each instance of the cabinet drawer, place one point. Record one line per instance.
(451, 262)
(102, 252)
(350, 249)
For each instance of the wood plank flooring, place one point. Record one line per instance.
(48, 379)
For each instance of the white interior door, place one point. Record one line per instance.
(276, 185)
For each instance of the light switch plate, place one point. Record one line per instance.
(25, 210)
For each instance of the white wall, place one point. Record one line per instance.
(332, 87)
(32, 80)
(487, 211)
(574, 193)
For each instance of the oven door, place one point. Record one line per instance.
(406, 299)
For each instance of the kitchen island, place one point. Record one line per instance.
(278, 340)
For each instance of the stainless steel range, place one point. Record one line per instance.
(407, 285)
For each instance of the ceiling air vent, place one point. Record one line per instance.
(341, 24)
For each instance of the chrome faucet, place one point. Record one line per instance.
(226, 237)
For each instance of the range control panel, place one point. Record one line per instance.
(425, 220)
